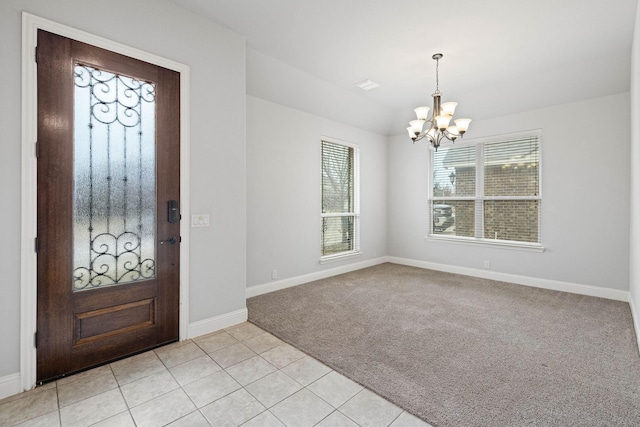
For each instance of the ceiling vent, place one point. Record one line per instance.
(367, 85)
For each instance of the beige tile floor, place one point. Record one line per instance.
(239, 376)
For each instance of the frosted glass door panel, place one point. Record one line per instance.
(114, 210)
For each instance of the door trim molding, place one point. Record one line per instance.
(28, 258)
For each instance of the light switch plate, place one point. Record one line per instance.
(200, 220)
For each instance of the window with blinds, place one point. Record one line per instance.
(488, 190)
(340, 199)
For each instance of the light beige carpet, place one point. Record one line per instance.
(461, 351)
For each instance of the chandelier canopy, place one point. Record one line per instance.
(437, 127)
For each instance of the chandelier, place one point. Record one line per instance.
(437, 126)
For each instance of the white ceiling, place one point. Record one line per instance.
(500, 56)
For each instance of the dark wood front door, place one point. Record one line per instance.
(108, 220)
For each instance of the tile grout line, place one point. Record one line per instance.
(123, 398)
(58, 405)
(182, 387)
(306, 372)
(303, 387)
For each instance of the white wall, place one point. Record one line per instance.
(283, 191)
(263, 193)
(217, 60)
(634, 283)
(585, 188)
(273, 80)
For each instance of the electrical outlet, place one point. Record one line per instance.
(487, 264)
(274, 274)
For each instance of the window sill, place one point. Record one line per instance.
(472, 241)
(339, 257)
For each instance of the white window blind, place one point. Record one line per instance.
(340, 201)
(488, 190)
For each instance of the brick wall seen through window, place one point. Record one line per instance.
(488, 190)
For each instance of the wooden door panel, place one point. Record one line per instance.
(114, 320)
(78, 329)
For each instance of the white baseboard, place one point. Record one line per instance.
(10, 385)
(635, 315)
(306, 278)
(213, 324)
(555, 285)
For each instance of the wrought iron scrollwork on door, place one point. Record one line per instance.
(114, 179)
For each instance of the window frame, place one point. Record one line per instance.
(356, 203)
(479, 198)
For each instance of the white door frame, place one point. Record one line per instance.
(28, 257)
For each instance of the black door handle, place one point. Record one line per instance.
(170, 240)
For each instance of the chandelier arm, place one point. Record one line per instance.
(431, 122)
